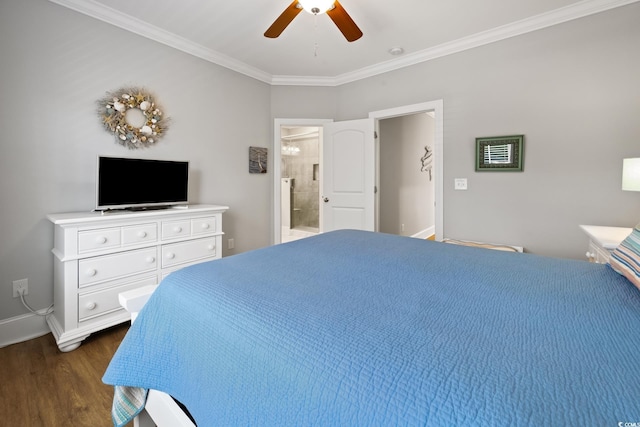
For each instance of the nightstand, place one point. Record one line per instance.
(603, 240)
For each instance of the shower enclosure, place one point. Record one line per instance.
(300, 190)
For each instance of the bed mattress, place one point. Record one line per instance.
(353, 328)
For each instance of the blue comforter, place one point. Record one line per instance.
(354, 328)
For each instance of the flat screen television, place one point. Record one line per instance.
(127, 183)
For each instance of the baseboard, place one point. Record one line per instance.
(427, 232)
(22, 328)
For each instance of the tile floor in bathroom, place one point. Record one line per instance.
(291, 234)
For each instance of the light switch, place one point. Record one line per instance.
(460, 183)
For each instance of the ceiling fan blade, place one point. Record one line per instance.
(343, 21)
(283, 20)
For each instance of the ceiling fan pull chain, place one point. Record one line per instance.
(315, 33)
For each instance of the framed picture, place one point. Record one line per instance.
(257, 160)
(500, 153)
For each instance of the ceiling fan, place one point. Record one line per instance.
(336, 12)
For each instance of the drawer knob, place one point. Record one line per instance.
(177, 229)
(170, 255)
(101, 239)
(211, 247)
(151, 259)
(142, 234)
(92, 272)
(205, 225)
(90, 305)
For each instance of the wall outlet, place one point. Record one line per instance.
(20, 285)
(460, 183)
(231, 244)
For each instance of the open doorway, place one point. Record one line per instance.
(435, 168)
(433, 107)
(300, 181)
(290, 134)
(406, 179)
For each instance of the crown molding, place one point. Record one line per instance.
(111, 16)
(538, 22)
(303, 81)
(534, 23)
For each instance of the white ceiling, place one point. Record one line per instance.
(312, 51)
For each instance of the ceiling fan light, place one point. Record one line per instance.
(316, 7)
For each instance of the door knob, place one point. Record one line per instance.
(326, 199)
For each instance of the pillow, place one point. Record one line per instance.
(625, 259)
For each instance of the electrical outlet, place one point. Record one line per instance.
(21, 285)
(460, 183)
(231, 244)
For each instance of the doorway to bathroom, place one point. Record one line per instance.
(300, 181)
(421, 160)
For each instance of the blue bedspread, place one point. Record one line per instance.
(353, 328)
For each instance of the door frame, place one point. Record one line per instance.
(437, 108)
(277, 169)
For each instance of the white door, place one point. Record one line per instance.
(348, 178)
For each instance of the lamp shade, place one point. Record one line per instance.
(631, 174)
(316, 7)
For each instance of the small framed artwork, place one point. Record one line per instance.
(257, 160)
(500, 153)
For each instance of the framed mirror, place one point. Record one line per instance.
(500, 153)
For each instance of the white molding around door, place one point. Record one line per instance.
(437, 108)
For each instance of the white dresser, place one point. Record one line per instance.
(603, 240)
(97, 256)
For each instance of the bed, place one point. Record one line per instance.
(354, 328)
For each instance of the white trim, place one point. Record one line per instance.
(129, 23)
(304, 81)
(534, 23)
(428, 232)
(22, 328)
(437, 107)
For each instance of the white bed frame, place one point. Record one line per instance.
(160, 410)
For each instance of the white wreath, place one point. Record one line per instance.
(113, 110)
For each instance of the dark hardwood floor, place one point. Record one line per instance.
(43, 387)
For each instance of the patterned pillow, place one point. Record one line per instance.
(625, 259)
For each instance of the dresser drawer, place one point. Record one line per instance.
(142, 233)
(179, 253)
(101, 268)
(175, 229)
(97, 240)
(97, 256)
(94, 304)
(204, 225)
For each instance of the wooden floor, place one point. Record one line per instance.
(42, 387)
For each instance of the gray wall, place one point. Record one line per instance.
(406, 193)
(52, 73)
(572, 89)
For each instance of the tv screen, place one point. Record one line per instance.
(125, 183)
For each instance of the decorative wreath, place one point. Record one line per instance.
(113, 110)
